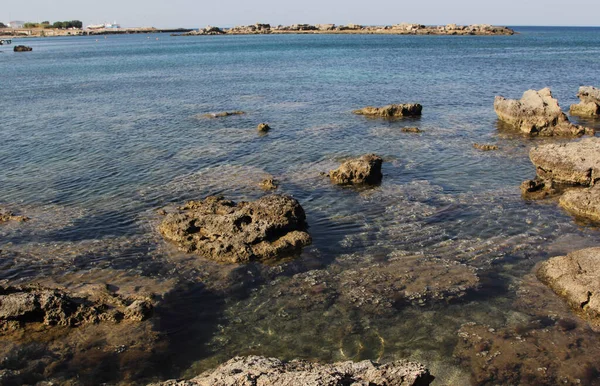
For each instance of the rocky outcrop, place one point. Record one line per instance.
(362, 170)
(484, 146)
(576, 278)
(7, 215)
(225, 231)
(263, 128)
(392, 111)
(583, 203)
(255, 370)
(558, 166)
(22, 49)
(589, 105)
(537, 113)
(223, 114)
(55, 307)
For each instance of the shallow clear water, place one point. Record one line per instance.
(99, 133)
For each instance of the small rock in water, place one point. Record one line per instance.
(6, 215)
(268, 184)
(22, 49)
(411, 130)
(589, 105)
(485, 147)
(363, 170)
(263, 128)
(390, 111)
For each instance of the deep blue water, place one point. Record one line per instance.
(96, 133)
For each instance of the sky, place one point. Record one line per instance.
(227, 13)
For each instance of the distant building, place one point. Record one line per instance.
(104, 26)
(16, 24)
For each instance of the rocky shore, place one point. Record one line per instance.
(397, 29)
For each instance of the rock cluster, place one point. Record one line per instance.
(537, 113)
(54, 307)
(576, 278)
(363, 170)
(225, 231)
(574, 164)
(589, 105)
(255, 370)
(392, 111)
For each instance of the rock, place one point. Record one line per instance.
(484, 147)
(22, 49)
(575, 163)
(537, 189)
(263, 128)
(6, 215)
(576, 278)
(255, 370)
(391, 111)
(363, 170)
(589, 105)
(411, 130)
(139, 310)
(268, 184)
(537, 113)
(221, 230)
(583, 202)
(223, 114)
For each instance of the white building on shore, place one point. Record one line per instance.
(15, 24)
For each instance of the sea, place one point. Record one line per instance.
(99, 133)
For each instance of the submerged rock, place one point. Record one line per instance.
(537, 113)
(589, 105)
(263, 128)
(54, 307)
(225, 231)
(411, 130)
(268, 183)
(223, 114)
(576, 278)
(484, 147)
(7, 215)
(255, 370)
(391, 111)
(363, 170)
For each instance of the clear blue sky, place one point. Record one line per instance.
(225, 13)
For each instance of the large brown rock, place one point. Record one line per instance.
(576, 278)
(589, 105)
(363, 170)
(255, 370)
(537, 113)
(391, 111)
(576, 163)
(583, 202)
(230, 232)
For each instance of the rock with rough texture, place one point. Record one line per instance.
(537, 189)
(225, 231)
(263, 128)
(223, 114)
(54, 307)
(268, 184)
(411, 130)
(22, 49)
(537, 113)
(589, 105)
(363, 170)
(255, 370)
(576, 278)
(576, 163)
(583, 202)
(7, 215)
(392, 111)
(485, 147)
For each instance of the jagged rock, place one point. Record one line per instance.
(255, 370)
(576, 278)
(537, 113)
(363, 170)
(263, 128)
(268, 184)
(484, 147)
(55, 307)
(7, 215)
(223, 114)
(589, 105)
(224, 231)
(22, 49)
(391, 111)
(583, 202)
(576, 163)
(411, 130)
(537, 189)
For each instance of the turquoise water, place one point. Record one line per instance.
(98, 133)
